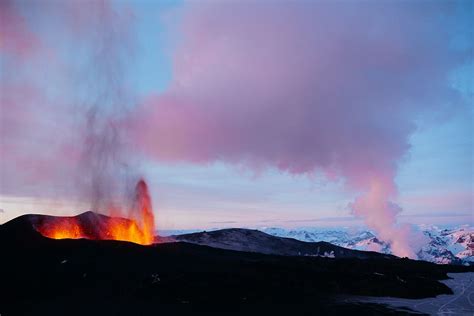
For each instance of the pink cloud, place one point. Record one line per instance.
(305, 87)
(15, 36)
(59, 60)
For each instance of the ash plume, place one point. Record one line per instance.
(104, 157)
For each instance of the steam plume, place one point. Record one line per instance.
(305, 87)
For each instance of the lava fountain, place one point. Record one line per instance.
(138, 228)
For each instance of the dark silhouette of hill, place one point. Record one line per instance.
(250, 240)
(41, 276)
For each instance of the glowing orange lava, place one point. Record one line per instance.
(138, 228)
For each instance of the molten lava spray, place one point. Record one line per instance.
(139, 227)
(144, 210)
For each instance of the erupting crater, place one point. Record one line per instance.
(138, 228)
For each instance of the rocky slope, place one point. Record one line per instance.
(256, 241)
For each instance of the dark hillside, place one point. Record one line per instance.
(41, 276)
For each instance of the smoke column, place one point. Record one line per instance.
(107, 173)
(104, 157)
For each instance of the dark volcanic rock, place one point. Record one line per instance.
(256, 241)
(41, 276)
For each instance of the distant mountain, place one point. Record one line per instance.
(445, 246)
(449, 245)
(256, 241)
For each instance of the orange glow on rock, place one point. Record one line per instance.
(138, 228)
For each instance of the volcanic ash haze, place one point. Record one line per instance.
(108, 175)
(84, 46)
(104, 172)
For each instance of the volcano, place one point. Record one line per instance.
(90, 225)
(138, 228)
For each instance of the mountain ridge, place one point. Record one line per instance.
(444, 246)
(242, 239)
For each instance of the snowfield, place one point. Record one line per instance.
(445, 246)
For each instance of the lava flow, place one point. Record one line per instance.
(138, 228)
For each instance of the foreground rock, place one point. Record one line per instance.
(42, 276)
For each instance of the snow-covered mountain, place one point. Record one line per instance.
(445, 245)
(449, 245)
